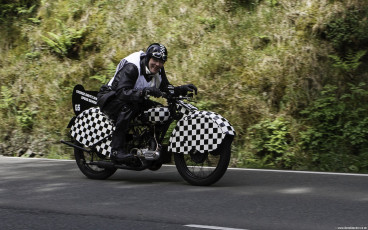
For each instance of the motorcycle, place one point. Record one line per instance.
(200, 141)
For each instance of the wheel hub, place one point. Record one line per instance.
(198, 157)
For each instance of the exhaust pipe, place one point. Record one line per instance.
(107, 164)
(75, 146)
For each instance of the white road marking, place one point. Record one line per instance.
(300, 172)
(235, 169)
(293, 171)
(35, 158)
(212, 227)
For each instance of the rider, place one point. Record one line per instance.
(138, 75)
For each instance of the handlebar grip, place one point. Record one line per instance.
(164, 95)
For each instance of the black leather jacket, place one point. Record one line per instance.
(126, 78)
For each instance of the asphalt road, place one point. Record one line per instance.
(50, 194)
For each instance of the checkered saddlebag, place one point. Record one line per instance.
(201, 130)
(93, 128)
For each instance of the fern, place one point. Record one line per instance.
(24, 10)
(25, 117)
(7, 100)
(101, 78)
(105, 75)
(273, 2)
(351, 62)
(62, 44)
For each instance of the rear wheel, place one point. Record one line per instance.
(204, 169)
(84, 159)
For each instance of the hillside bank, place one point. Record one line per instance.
(290, 76)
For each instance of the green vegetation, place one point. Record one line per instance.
(336, 135)
(291, 76)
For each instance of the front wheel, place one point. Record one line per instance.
(84, 160)
(204, 169)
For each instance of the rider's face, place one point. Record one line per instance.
(154, 65)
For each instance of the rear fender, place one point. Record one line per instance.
(71, 122)
(92, 128)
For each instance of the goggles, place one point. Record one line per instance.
(159, 55)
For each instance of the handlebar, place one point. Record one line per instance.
(180, 97)
(169, 95)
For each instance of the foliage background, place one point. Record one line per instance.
(291, 76)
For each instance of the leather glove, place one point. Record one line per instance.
(184, 89)
(152, 91)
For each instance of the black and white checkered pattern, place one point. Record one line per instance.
(202, 131)
(224, 124)
(157, 115)
(104, 147)
(185, 108)
(91, 127)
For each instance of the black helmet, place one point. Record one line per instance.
(158, 51)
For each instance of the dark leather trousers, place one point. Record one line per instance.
(122, 114)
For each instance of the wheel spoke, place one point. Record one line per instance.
(84, 160)
(90, 157)
(204, 169)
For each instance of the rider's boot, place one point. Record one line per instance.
(119, 152)
(121, 155)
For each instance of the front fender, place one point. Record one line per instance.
(202, 131)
